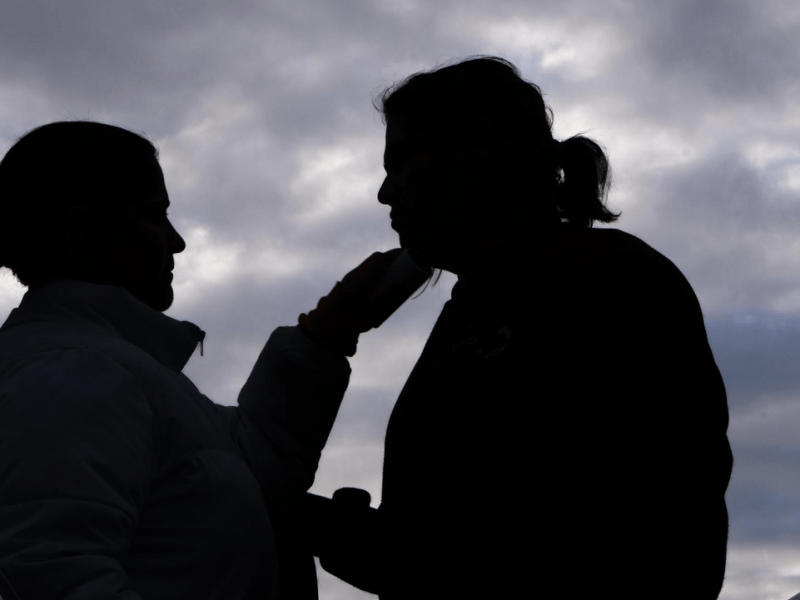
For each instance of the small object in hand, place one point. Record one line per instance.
(354, 497)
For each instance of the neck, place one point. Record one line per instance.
(476, 250)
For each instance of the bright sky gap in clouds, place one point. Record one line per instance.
(272, 155)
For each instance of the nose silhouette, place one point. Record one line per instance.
(386, 193)
(176, 241)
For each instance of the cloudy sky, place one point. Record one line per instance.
(272, 156)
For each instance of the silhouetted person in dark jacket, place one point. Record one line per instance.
(563, 434)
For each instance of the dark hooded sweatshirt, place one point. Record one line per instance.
(563, 435)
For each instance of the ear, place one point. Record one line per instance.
(81, 235)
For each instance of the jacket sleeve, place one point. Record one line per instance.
(287, 408)
(658, 448)
(76, 441)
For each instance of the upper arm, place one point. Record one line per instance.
(649, 365)
(656, 415)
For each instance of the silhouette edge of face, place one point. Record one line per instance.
(427, 185)
(134, 251)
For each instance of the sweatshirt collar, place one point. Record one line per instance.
(110, 310)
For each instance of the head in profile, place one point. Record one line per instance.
(470, 158)
(87, 201)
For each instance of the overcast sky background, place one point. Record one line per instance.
(272, 156)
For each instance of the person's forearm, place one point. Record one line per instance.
(292, 396)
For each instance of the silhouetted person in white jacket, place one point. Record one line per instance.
(118, 477)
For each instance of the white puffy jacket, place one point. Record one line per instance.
(119, 479)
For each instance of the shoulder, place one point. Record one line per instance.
(68, 379)
(54, 374)
(610, 259)
(606, 250)
(63, 345)
(594, 276)
(73, 407)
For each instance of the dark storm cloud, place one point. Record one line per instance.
(238, 89)
(763, 499)
(160, 59)
(120, 55)
(757, 355)
(686, 61)
(731, 48)
(725, 223)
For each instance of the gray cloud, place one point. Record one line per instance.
(757, 355)
(727, 225)
(728, 48)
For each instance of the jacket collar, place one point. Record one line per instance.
(109, 310)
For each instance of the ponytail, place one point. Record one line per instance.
(584, 177)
